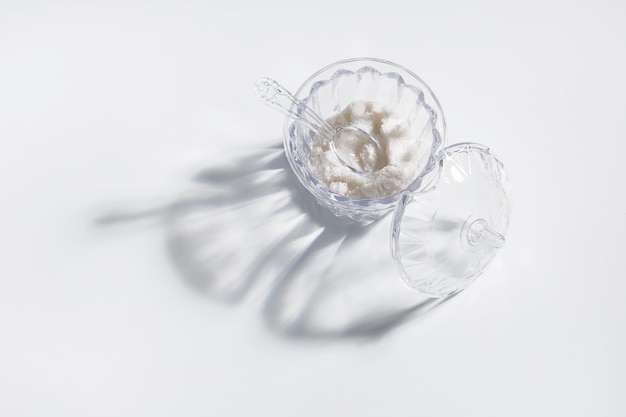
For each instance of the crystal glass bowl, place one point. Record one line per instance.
(334, 87)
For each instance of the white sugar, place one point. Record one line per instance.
(395, 163)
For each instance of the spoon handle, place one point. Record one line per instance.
(279, 98)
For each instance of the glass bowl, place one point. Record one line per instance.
(400, 91)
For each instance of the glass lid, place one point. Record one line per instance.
(442, 239)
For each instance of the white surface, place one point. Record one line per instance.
(113, 107)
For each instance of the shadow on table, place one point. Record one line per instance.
(251, 231)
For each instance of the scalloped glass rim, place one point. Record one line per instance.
(319, 190)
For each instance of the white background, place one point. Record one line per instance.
(112, 288)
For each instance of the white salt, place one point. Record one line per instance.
(394, 164)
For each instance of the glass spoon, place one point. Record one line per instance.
(278, 97)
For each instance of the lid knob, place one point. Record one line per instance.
(479, 233)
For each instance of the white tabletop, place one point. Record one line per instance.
(158, 259)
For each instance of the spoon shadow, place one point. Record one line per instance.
(250, 231)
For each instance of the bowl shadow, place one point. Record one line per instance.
(249, 231)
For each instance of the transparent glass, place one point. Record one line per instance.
(442, 240)
(336, 86)
(451, 218)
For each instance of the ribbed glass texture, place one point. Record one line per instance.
(333, 88)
